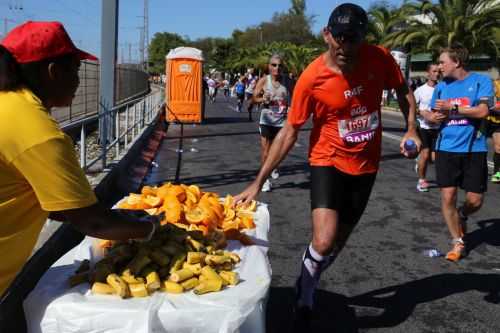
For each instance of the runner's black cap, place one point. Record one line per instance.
(348, 18)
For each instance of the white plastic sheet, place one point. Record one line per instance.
(53, 307)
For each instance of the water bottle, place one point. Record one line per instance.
(432, 253)
(411, 148)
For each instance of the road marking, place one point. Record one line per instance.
(398, 138)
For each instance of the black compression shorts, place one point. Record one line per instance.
(428, 137)
(347, 194)
(269, 132)
(493, 128)
(469, 171)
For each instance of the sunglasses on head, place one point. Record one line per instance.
(277, 65)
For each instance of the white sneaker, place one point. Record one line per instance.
(275, 174)
(267, 186)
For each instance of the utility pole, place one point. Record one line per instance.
(146, 33)
(144, 37)
(129, 53)
(109, 44)
(141, 46)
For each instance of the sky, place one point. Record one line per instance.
(190, 18)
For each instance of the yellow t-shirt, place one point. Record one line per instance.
(39, 173)
(492, 118)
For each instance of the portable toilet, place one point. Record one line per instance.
(183, 91)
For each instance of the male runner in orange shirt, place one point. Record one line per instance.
(342, 90)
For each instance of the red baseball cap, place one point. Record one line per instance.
(36, 41)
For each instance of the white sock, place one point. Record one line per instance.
(313, 264)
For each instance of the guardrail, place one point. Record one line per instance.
(121, 125)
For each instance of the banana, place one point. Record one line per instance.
(102, 288)
(159, 257)
(181, 275)
(173, 288)
(210, 274)
(190, 284)
(208, 286)
(230, 277)
(177, 262)
(120, 286)
(195, 268)
(138, 290)
(153, 282)
(129, 278)
(196, 257)
(214, 260)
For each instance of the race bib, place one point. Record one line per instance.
(279, 106)
(359, 129)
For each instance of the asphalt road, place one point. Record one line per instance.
(381, 282)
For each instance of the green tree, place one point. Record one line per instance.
(383, 19)
(472, 23)
(160, 45)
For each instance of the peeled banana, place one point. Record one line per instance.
(118, 284)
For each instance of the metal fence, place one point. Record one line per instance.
(130, 82)
(126, 121)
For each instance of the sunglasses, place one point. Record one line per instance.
(351, 37)
(277, 65)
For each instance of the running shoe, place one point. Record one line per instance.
(458, 250)
(275, 174)
(496, 177)
(267, 186)
(422, 185)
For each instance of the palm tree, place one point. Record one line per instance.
(472, 23)
(382, 20)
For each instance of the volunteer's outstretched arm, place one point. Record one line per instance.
(100, 222)
(282, 144)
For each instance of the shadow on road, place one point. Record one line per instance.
(242, 176)
(226, 120)
(336, 313)
(488, 233)
(393, 129)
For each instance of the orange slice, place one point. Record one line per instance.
(149, 190)
(163, 190)
(134, 199)
(152, 201)
(195, 190)
(229, 214)
(191, 197)
(151, 211)
(196, 215)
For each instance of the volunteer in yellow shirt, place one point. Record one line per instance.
(494, 132)
(39, 171)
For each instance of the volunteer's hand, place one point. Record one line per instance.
(410, 134)
(248, 194)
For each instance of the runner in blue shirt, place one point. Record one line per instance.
(460, 102)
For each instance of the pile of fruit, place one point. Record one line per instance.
(189, 208)
(174, 260)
